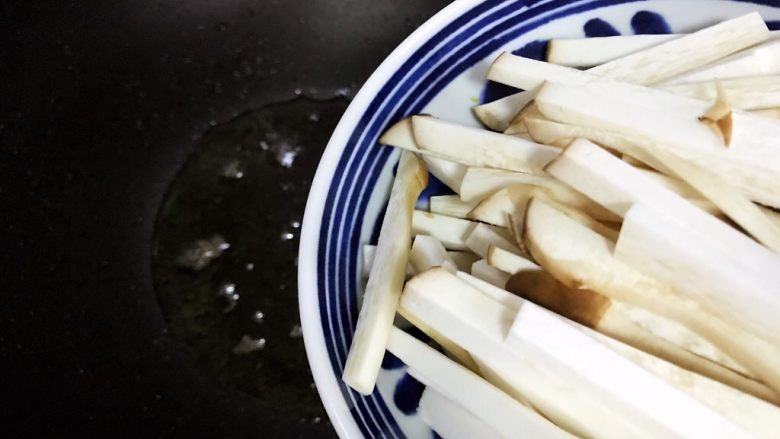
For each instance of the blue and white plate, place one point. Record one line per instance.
(440, 69)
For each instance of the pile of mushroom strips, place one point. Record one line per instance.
(609, 266)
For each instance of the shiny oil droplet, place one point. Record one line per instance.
(286, 236)
(247, 345)
(259, 317)
(287, 159)
(229, 293)
(202, 252)
(286, 154)
(296, 332)
(232, 169)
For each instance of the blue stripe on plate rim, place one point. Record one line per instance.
(479, 29)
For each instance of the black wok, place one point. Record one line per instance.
(103, 107)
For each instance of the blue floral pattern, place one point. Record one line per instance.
(596, 27)
(649, 23)
(408, 392)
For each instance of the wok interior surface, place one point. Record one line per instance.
(108, 112)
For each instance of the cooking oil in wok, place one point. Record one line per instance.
(226, 242)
